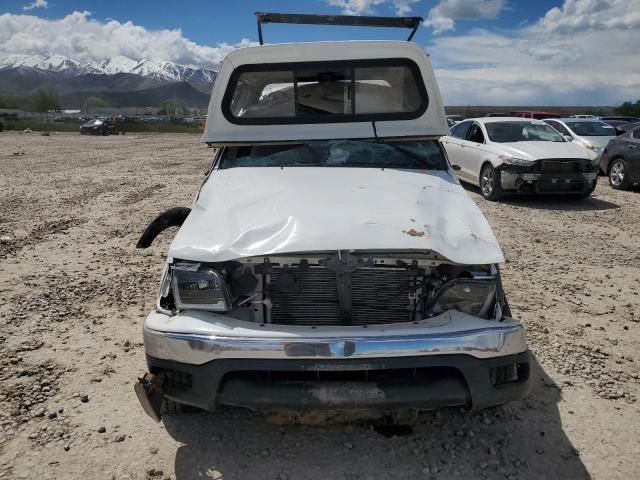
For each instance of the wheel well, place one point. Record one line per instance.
(486, 162)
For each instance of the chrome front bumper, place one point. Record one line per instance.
(207, 337)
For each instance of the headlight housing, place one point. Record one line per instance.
(465, 295)
(516, 161)
(197, 286)
(594, 147)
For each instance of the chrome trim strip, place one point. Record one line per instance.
(198, 349)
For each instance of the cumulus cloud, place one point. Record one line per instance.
(581, 15)
(355, 7)
(82, 38)
(442, 17)
(403, 7)
(546, 63)
(36, 4)
(364, 7)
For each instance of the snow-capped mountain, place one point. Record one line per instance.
(111, 66)
(118, 81)
(50, 63)
(149, 68)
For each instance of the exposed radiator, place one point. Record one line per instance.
(377, 295)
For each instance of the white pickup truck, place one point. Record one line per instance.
(331, 259)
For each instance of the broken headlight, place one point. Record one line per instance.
(197, 286)
(465, 295)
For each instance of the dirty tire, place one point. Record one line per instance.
(618, 174)
(490, 187)
(506, 309)
(171, 408)
(587, 193)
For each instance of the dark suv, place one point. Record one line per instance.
(621, 159)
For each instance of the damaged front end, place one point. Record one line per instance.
(344, 330)
(555, 175)
(343, 288)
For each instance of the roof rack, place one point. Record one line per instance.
(342, 20)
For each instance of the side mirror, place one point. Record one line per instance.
(568, 138)
(457, 168)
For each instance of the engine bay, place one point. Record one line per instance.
(333, 289)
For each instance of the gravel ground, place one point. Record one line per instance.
(74, 292)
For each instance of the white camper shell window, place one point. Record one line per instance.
(325, 92)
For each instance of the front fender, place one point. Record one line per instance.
(173, 217)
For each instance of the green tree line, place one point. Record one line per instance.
(629, 109)
(42, 100)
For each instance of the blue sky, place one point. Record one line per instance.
(571, 52)
(217, 21)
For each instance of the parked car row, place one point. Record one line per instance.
(550, 155)
(509, 154)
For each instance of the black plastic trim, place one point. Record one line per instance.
(472, 388)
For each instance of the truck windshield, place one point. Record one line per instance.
(421, 155)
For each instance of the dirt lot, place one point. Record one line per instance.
(74, 292)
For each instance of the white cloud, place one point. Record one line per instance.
(355, 7)
(364, 7)
(36, 4)
(558, 60)
(442, 17)
(80, 37)
(403, 7)
(580, 15)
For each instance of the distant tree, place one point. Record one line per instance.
(629, 109)
(169, 107)
(45, 99)
(93, 102)
(7, 101)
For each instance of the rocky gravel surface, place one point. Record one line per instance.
(74, 292)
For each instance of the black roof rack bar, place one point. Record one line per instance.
(342, 20)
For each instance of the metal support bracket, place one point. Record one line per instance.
(412, 23)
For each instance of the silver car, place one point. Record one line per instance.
(594, 134)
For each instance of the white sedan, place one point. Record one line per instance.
(507, 154)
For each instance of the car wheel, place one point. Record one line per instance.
(171, 408)
(490, 183)
(587, 193)
(618, 177)
(506, 309)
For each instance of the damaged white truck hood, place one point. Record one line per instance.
(246, 212)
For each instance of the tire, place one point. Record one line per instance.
(618, 176)
(171, 408)
(587, 193)
(489, 182)
(506, 309)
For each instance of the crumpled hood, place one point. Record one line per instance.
(244, 212)
(541, 150)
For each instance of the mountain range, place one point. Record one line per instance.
(118, 81)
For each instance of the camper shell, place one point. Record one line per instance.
(331, 259)
(350, 86)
